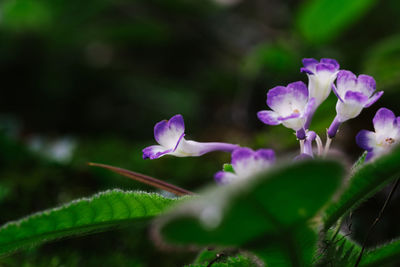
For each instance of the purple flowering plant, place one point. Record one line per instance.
(260, 210)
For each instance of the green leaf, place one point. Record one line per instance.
(320, 21)
(365, 182)
(255, 211)
(386, 254)
(337, 250)
(104, 210)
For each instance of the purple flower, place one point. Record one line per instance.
(290, 106)
(246, 163)
(321, 76)
(354, 94)
(386, 135)
(170, 137)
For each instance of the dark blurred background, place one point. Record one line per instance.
(87, 80)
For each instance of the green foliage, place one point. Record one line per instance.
(383, 255)
(257, 212)
(102, 211)
(221, 258)
(337, 250)
(363, 183)
(383, 62)
(320, 21)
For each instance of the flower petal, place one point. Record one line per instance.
(366, 84)
(154, 152)
(355, 97)
(346, 80)
(225, 177)
(384, 120)
(168, 133)
(266, 155)
(309, 65)
(331, 62)
(365, 139)
(373, 99)
(268, 117)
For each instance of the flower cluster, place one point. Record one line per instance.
(293, 106)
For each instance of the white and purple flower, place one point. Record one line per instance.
(246, 163)
(170, 137)
(354, 94)
(321, 75)
(290, 106)
(386, 135)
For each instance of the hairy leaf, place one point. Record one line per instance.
(365, 181)
(104, 210)
(383, 255)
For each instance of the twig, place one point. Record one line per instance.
(145, 179)
(376, 221)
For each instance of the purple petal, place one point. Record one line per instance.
(308, 112)
(265, 154)
(352, 96)
(240, 155)
(373, 99)
(169, 133)
(275, 96)
(334, 89)
(331, 62)
(306, 71)
(298, 89)
(268, 117)
(364, 138)
(153, 152)
(346, 80)
(369, 156)
(303, 156)
(325, 67)
(222, 177)
(159, 129)
(383, 118)
(193, 148)
(309, 64)
(291, 116)
(367, 83)
(177, 123)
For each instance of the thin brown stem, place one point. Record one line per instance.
(145, 179)
(376, 221)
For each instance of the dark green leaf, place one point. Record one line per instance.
(104, 210)
(321, 21)
(381, 256)
(364, 182)
(257, 211)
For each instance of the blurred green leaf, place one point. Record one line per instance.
(382, 255)
(383, 62)
(365, 182)
(255, 210)
(25, 14)
(320, 21)
(87, 215)
(278, 57)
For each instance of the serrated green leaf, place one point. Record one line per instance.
(383, 255)
(364, 182)
(321, 21)
(111, 208)
(261, 207)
